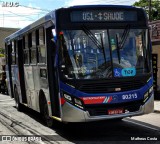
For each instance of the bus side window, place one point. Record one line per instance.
(13, 53)
(41, 45)
(26, 50)
(33, 48)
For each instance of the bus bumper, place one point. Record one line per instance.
(71, 113)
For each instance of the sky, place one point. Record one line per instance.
(20, 13)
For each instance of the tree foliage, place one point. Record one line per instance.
(155, 8)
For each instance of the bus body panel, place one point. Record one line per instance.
(46, 78)
(15, 76)
(15, 81)
(8, 81)
(72, 114)
(29, 83)
(34, 83)
(8, 69)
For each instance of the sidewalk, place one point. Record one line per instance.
(5, 97)
(157, 106)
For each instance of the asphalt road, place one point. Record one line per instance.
(141, 129)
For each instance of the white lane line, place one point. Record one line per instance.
(142, 125)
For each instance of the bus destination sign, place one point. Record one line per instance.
(103, 16)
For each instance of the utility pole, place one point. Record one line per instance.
(150, 5)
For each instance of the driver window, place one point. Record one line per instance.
(140, 59)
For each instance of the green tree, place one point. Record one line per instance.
(155, 8)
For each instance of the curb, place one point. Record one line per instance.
(156, 111)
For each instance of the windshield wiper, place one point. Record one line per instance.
(121, 43)
(99, 45)
(91, 36)
(117, 48)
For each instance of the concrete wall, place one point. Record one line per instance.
(4, 32)
(156, 50)
(155, 37)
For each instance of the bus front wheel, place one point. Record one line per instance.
(45, 114)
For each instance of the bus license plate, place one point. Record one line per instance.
(115, 111)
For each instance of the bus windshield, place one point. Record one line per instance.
(104, 53)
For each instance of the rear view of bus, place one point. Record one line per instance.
(104, 62)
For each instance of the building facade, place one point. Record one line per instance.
(4, 32)
(155, 38)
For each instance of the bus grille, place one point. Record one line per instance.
(108, 87)
(97, 110)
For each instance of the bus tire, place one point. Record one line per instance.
(16, 96)
(45, 113)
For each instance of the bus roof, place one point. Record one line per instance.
(105, 6)
(51, 16)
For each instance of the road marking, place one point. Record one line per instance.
(141, 125)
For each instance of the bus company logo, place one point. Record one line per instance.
(109, 99)
(10, 4)
(6, 138)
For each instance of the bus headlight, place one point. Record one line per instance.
(151, 90)
(73, 100)
(67, 97)
(148, 94)
(78, 103)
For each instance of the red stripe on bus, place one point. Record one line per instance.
(93, 100)
(110, 99)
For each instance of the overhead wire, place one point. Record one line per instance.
(35, 8)
(43, 11)
(25, 16)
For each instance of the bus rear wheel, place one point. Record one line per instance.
(16, 97)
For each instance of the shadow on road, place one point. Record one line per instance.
(108, 130)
